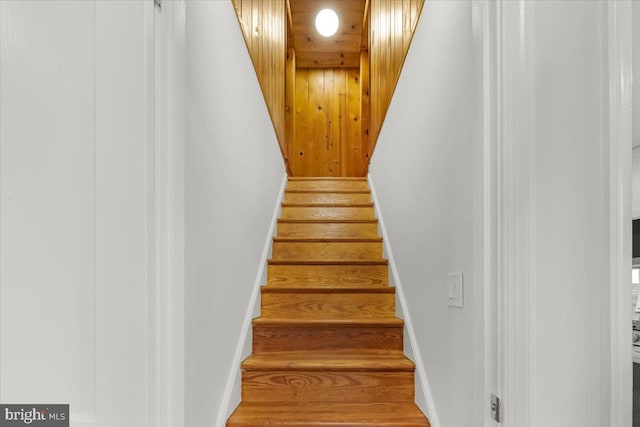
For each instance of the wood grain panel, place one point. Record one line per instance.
(321, 213)
(391, 27)
(314, 361)
(328, 185)
(329, 276)
(290, 197)
(322, 387)
(340, 50)
(324, 305)
(327, 249)
(365, 115)
(263, 25)
(346, 337)
(327, 127)
(327, 230)
(290, 104)
(329, 415)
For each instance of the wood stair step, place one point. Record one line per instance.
(326, 205)
(327, 386)
(322, 198)
(328, 185)
(322, 249)
(334, 361)
(327, 178)
(327, 377)
(327, 275)
(321, 229)
(344, 335)
(364, 262)
(328, 347)
(310, 303)
(333, 191)
(328, 415)
(327, 212)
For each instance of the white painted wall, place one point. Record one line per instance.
(233, 173)
(75, 215)
(425, 169)
(570, 214)
(635, 8)
(635, 187)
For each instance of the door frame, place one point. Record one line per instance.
(165, 174)
(507, 45)
(507, 303)
(619, 359)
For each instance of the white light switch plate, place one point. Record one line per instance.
(455, 287)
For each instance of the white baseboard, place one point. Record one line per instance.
(422, 381)
(234, 374)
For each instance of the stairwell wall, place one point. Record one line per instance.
(635, 8)
(234, 170)
(425, 172)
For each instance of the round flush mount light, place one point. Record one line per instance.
(327, 22)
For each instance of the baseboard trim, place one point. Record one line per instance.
(422, 373)
(223, 412)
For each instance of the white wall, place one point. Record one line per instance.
(74, 217)
(635, 8)
(233, 173)
(570, 214)
(635, 185)
(425, 170)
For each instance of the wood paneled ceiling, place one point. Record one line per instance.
(316, 51)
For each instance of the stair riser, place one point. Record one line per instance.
(326, 213)
(330, 276)
(327, 197)
(327, 306)
(328, 186)
(327, 250)
(327, 386)
(327, 338)
(328, 230)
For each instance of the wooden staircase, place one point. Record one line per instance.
(327, 348)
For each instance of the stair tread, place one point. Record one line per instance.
(327, 361)
(326, 205)
(328, 262)
(327, 239)
(327, 415)
(364, 321)
(325, 290)
(327, 178)
(328, 221)
(330, 191)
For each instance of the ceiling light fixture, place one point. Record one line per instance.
(327, 22)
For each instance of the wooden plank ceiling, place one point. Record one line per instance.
(316, 51)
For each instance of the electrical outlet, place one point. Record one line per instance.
(496, 410)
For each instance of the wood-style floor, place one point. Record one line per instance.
(327, 348)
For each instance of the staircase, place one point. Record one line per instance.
(327, 348)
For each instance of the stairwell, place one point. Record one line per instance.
(327, 348)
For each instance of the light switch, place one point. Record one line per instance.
(455, 287)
